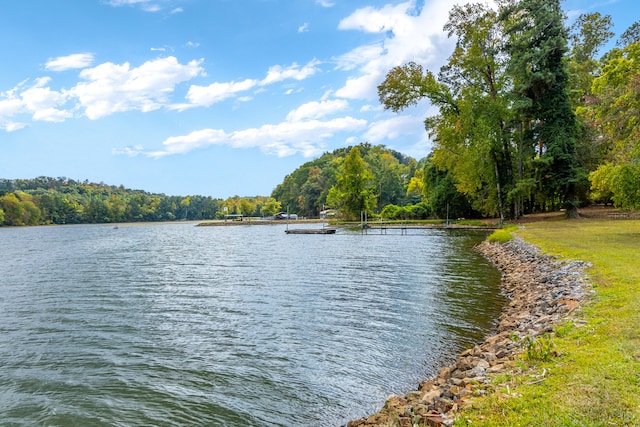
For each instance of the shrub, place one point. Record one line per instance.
(503, 235)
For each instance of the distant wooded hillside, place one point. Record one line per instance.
(397, 185)
(46, 200)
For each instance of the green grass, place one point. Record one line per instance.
(502, 235)
(593, 376)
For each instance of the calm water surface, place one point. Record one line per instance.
(228, 326)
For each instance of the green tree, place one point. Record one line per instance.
(630, 35)
(353, 192)
(388, 175)
(246, 207)
(31, 213)
(441, 195)
(471, 139)
(305, 190)
(615, 119)
(587, 36)
(116, 208)
(271, 207)
(13, 209)
(310, 197)
(185, 204)
(233, 205)
(537, 46)
(416, 187)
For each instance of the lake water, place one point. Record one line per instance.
(173, 324)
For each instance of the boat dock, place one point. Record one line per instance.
(404, 229)
(311, 231)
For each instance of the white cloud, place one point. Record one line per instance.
(408, 128)
(13, 126)
(359, 56)
(106, 89)
(130, 151)
(117, 3)
(278, 73)
(293, 90)
(110, 88)
(11, 107)
(405, 36)
(325, 3)
(69, 62)
(372, 20)
(401, 128)
(362, 87)
(192, 141)
(216, 92)
(36, 99)
(205, 96)
(145, 5)
(52, 115)
(394, 127)
(294, 135)
(303, 28)
(371, 107)
(317, 110)
(42, 101)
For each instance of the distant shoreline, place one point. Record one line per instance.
(222, 222)
(372, 225)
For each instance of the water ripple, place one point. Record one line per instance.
(180, 325)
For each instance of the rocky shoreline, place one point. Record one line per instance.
(541, 291)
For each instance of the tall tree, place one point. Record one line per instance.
(388, 175)
(471, 138)
(587, 36)
(353, 192)
(537, 47)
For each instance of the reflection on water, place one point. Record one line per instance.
(180, 325)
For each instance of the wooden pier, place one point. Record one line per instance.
(404, 229)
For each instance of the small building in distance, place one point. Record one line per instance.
(285, 215)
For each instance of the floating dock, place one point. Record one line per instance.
(311, 231)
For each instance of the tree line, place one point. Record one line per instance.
(46, 200)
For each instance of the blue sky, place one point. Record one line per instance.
(211, 97)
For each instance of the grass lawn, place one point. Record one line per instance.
(594, 377)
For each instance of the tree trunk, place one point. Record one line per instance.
(498, 187)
